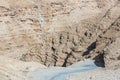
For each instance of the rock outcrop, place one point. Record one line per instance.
(107, 46)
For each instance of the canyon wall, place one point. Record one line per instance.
(60, 32)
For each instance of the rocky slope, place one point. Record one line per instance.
(72, 31)
(12, 69)
(61, 32)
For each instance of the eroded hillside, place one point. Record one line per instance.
(60, 32)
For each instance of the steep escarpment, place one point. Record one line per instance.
(59, 32)
(78, 40)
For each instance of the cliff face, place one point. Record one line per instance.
(60, 32)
